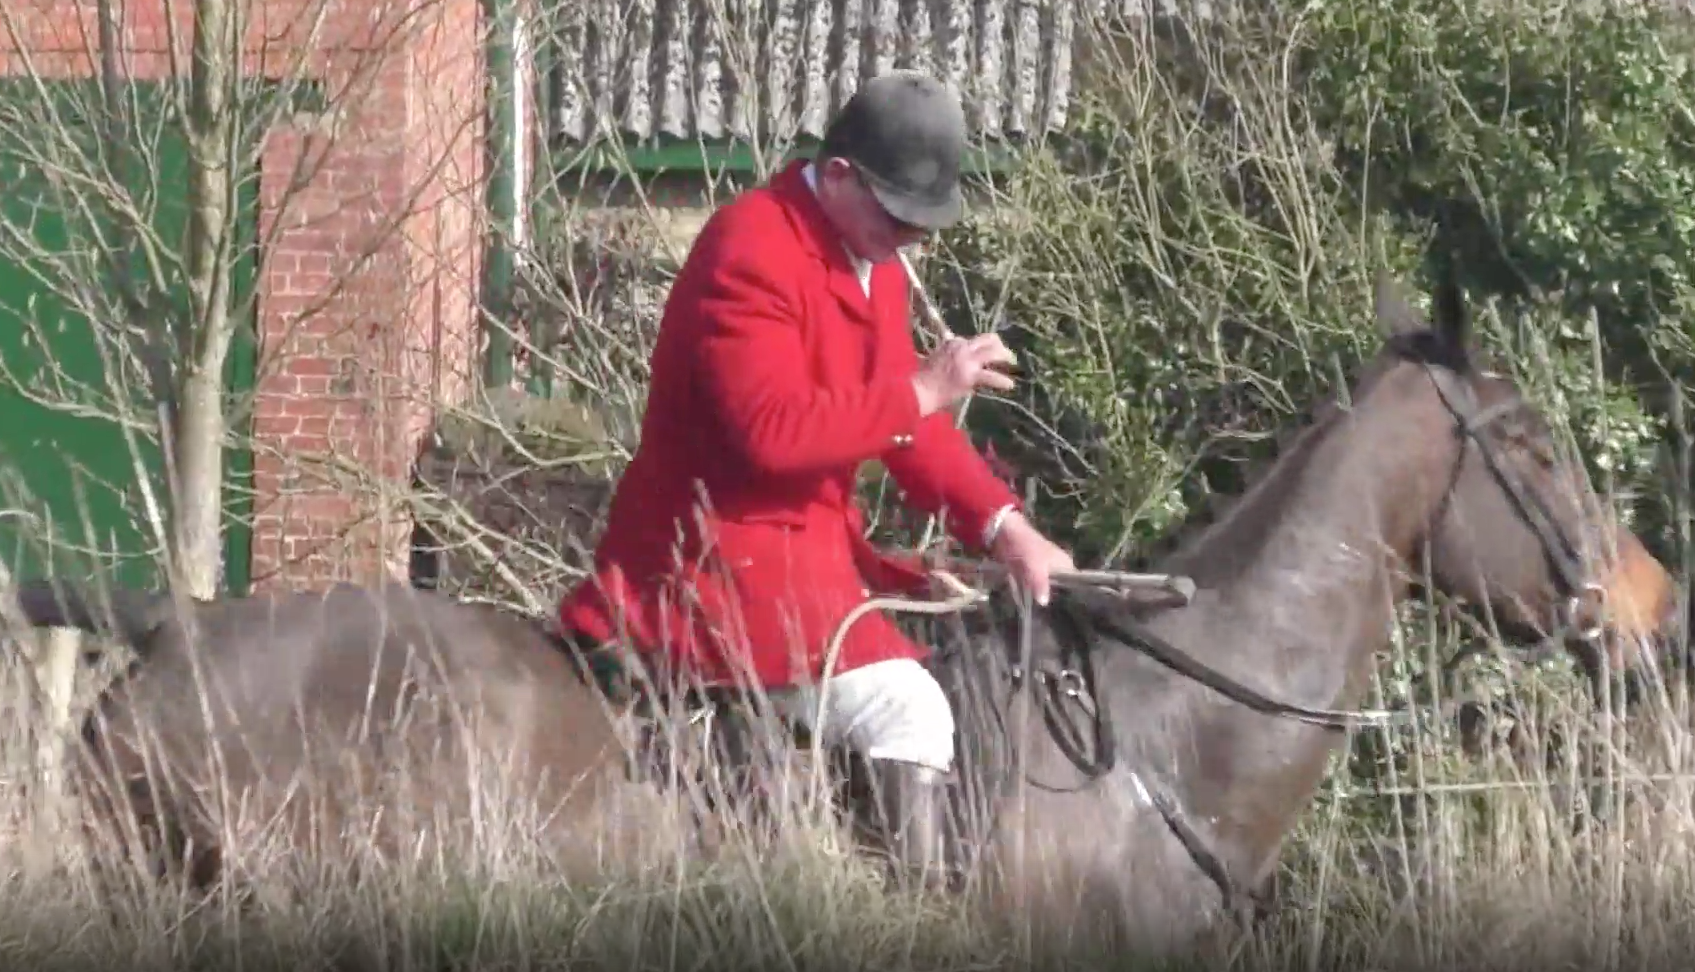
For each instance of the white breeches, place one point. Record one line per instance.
(892, 710)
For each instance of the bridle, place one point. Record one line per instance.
(1058, 691)
(1571, 580)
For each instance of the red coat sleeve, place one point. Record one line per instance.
(942, 472)
(752, 366)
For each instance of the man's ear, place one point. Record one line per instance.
(834, 168)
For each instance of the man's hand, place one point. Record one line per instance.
(959, 367)
(1029, 556)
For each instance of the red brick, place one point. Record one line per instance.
(371, 247)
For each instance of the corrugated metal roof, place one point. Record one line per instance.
(774, 69)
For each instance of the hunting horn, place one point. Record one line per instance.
(938, 326)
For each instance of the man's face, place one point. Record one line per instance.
(866, 227)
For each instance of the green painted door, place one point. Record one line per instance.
(70, 476)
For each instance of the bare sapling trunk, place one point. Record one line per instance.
(204, 342)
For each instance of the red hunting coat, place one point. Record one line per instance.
(774, 378)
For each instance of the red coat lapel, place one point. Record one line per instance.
(819, 239)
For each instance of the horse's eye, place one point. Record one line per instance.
(1540, 450)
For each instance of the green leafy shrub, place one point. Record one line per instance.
(1208, 230)
(1555, 144)
(1196, 277)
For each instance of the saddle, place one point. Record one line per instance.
(722, 723)
(634, 687)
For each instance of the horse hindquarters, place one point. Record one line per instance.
(139, 819)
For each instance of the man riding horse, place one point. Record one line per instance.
(785, 361)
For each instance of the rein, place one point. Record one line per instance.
(1078, 677)
(1470, 422)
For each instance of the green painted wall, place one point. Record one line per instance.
(76, 471)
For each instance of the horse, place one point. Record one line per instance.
(1135, 772)
(1184, 781)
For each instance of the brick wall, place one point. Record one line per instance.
(369, 228)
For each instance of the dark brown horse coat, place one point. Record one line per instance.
(336, 705)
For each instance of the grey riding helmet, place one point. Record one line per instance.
(905, 133)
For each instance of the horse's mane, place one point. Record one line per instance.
(1293, 448)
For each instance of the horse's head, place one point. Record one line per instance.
(1517, 527)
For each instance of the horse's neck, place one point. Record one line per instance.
(1294, 595)
(1303, 559)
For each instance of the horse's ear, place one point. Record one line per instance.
(1451, 314)
(1394, 315)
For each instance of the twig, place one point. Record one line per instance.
(1491, 786)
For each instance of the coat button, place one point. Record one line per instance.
(903, 440)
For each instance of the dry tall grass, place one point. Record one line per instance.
(1577, 855)
(1491, 863)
